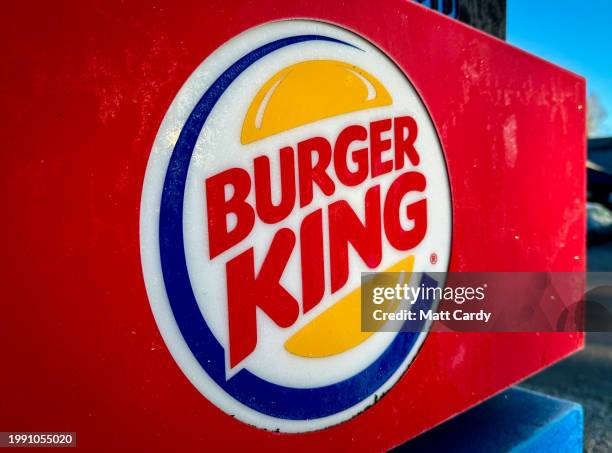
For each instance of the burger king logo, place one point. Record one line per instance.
(294, 158)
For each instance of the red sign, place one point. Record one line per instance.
(193, 192)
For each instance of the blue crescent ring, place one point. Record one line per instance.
(249, 389)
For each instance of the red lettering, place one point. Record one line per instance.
(360, 157)
(345, 227)
(353, 163)
(311, 174)
(378, 146)
(266, 210)
(246, 292)
(398, 237)
(220, 238)
(404, 142)
(313, 266)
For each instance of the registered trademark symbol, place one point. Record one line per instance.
(433, 258)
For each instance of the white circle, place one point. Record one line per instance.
(218, 148)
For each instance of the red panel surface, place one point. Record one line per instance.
(85, 87)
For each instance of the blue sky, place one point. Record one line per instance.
(574, 34)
